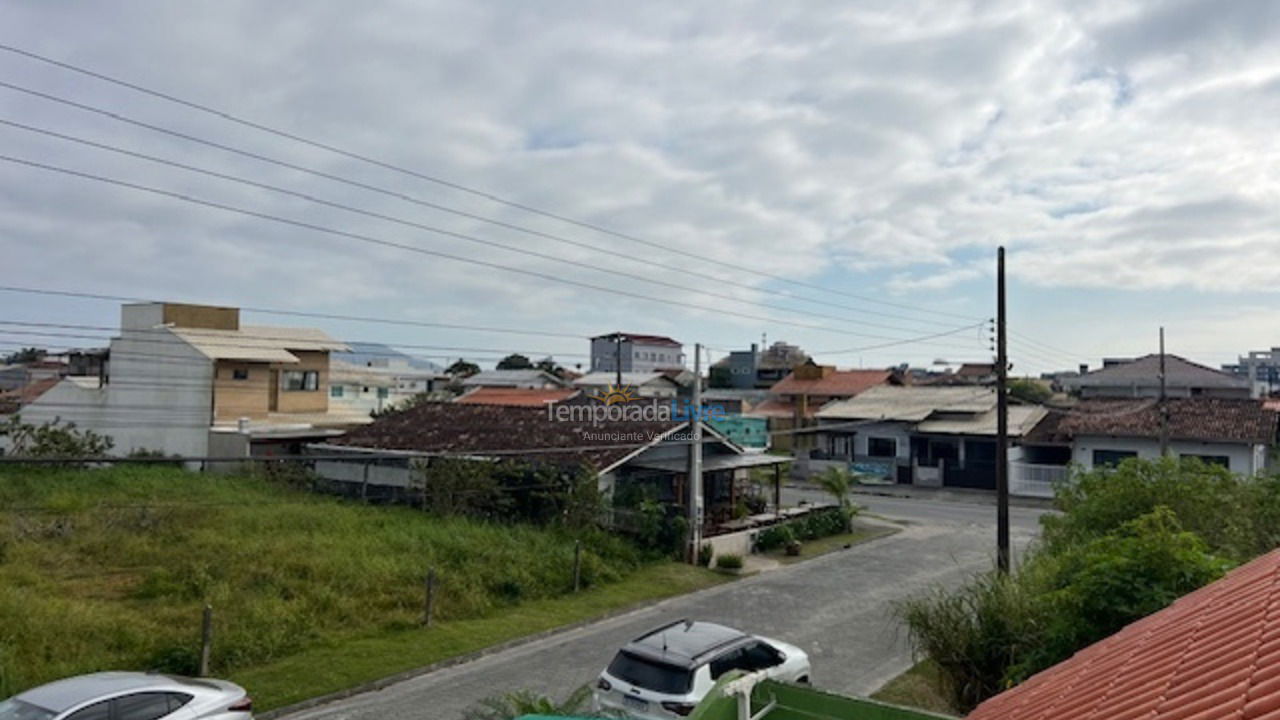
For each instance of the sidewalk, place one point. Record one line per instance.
(946, 494)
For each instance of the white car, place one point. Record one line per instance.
(665, 673)
(130, 696)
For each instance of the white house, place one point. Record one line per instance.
(638, 353)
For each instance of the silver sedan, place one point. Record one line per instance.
(130, 696)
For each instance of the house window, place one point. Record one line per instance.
(301, 380)
(1222, 460)
(335, 391)
(882, 447)
(382, 392)
(1111, 458)
(239, 373)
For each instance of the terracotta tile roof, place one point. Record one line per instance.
(777, 408)
(13, 400)
(1199, 418)
(839, 383)
(452, 427)
(515, 397)
(1212, 655)
(641, 339)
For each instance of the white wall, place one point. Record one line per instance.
(1241, 455)
(895, 430)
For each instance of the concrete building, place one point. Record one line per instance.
(190, 380)
(1261, 368)
(638, 353)
(756, 368)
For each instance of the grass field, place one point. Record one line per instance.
(110, 569)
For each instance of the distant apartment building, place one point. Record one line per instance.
(637, 353)
(191, 380)
(1261, 368)
(755, 368)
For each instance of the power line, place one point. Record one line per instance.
(411, 248)
(442, 182)
(384, 191)
(444, 231)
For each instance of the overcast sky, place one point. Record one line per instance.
(1125, 154)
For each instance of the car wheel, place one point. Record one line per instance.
(803, 680)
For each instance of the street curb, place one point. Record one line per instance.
(951, 496)
(384, 682)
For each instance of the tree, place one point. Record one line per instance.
(1028, 390)
(25, 355)
(515, 361)
(463, 369)
(52, 439)
(549, 365)
(839, 484)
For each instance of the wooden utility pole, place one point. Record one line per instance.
(1164, 408)
(1002, 423)
(695, 458)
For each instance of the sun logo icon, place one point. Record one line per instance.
(614, 395)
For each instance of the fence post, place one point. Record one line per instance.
(206, 639)
(577, 565)
(364, 484)
(430, 600)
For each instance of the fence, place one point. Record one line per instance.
(1030, 480)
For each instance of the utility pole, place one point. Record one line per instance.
(1002, 423)
(617, 359)
(1164, 409)
(695, 458)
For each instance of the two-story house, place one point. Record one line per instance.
(191, 380)
(637, 353)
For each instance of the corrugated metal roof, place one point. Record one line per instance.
(516, 397)
(910, 403)
(1022, 418)
(1214, 654)
(601, 379)
(512, 378)
(256, 343)
(1145, 371)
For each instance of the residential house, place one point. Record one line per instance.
(1207, 656)
(634, 384)
(1140, 378)
(515, 397)
(624, 454)
(965, 374)
(191, 380)
(795, 399)
(637, 353)
(931, 436)
(1236, 434)
(1261, 368)
(530, 378)
(377, 387)
(756, 369)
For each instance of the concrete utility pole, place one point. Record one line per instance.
(1002, 423)
(1164, 409)
(695, 459)
(617, 359)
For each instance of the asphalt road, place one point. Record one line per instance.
(837, 607)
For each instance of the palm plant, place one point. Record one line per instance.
(838, 483)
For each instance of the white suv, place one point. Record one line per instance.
(665, 673)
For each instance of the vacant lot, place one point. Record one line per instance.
(110, 569)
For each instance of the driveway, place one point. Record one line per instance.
(837, 607)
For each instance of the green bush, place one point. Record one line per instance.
(997, 630)
(729, 561)
(704, 554)
(817, 524)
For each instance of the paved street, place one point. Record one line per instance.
(838, 607)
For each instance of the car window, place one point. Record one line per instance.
(15, 709)
(651, 674)
(760, 656)
(144, 706)
(96, 711)
(735, 659)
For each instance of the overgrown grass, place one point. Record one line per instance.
(920, 687)
(110, 569)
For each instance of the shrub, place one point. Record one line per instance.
(774, 537)
(52, 439)
(704, 555)
(729, 561)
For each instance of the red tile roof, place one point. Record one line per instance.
(642, 339)
(838, 383)
(777, 408)
(13, 400)
(1198, 418)
(515, 397)
(1212, 655)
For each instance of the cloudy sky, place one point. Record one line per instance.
(837, 175)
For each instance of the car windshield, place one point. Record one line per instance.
(650, 674)
(15, 709)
